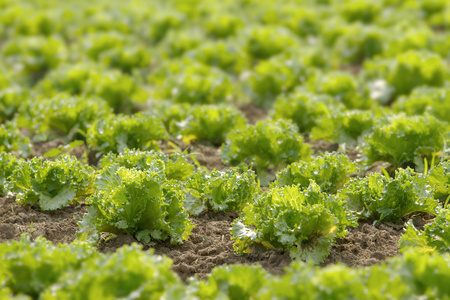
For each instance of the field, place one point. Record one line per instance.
(235, 149)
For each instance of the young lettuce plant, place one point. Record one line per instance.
(114, 133)
(347, 127)
(12, 140)
(176, 166)
(379, 198)
(305, 222)
(227, 190)
(303, 108)
(405, 141)
(330, 171)
(266, 144)
(144, 204)
(136, 275)
(439, 178)
(51, 184)
(32, 266)
(435, 235)
(68, 117)
(212, 123)
(8, 163)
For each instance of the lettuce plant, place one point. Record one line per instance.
(347, 127)
(423, 100)
(227, 190)
(405, 141)
(142, 203)
(265, 144)
(305, 223)
(379, 198)
(343, 88)
(11, 101)
(223, 26)
(51, 184)
(114, 133)
(231, 282)
(176, 166)
(271, 78)
(434, 236)
(303, 108)
(8, 163)
(11, 139)
(31, 267)
(265, 42)
(439, 178)
(330, 172)
(192, 83)
(212, 123)
(408, 71)
(120, 91)
(136, 275)
(360, 10)
(68, 116)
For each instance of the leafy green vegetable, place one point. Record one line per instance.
(212, 123)
(223, 26)
(192, 83)
(31, 267)
(386, 199)
(142, 203)
(11, 100)
(303, 108)
(348, 127)
(11, 139)
(114, 133)
(271, 78)
(265, 144)
(434, 101)
(129, 273)
(265, 42)
(231, 282)
(306, 223)
(68, 116)
(405, 141)
(439, 178)
(51, 184)
(176, 166)
(330, 171)
(231, 189)
(8, 163)
(434, 236)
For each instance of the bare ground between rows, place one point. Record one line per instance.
(210, 243)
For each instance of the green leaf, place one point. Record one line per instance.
(62, 199)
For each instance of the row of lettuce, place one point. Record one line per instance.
(399, 139)
(42, 270)
(151, 196)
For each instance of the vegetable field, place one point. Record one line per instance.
(234, 149)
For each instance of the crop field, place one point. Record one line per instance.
(233, 149)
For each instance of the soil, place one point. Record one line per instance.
(56, 226)
(209, 245)
(252, 112)
(366, 245)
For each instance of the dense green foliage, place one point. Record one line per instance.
(380, 198)
(304, 222)
(142, 203)
(330, 172)
(265, 144)
(51, 184)
(227, 190)
(8, 163)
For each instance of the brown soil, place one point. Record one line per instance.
(209, 245)
(252, 112)
(366, 245)
(56, 226)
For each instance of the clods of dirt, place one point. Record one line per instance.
(366, 245)
(56, 226)
(209, 245)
